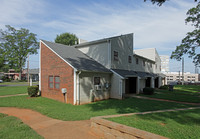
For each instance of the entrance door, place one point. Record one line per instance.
(130, 85)
(156, 82)
(148, 82)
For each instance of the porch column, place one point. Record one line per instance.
(159, 81)
(138, 85)
(165, 81)
(152, 82)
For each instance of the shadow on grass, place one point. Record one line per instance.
(187, 117)
(131, 105)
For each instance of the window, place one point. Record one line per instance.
(50, 81)
(137, 61)
(57, 82)
(151, 65)
(96, 80)
(129, 59)
(115, 55)
(143, 63)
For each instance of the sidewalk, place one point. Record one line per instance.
(14, 95)
(51, 128)
(158, 99)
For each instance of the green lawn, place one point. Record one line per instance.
(68, 112)
(13, 128)
(185, 93)
(15, 83)
(188, 88)
(11, 90)
(174, 125)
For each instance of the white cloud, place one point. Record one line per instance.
(153, 26)
(19, 12)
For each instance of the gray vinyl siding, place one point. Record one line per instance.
(99, 52)
(87, 84)
(141, 67)
(115, 87)
(124, 46)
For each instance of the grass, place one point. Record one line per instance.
(12, 90)
(68, 112)
(174, 125)
(16, 83)
(13, 128)
(185, 93)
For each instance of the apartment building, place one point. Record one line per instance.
(177, 76)
(96, 70)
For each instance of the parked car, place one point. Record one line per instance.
(1, 81)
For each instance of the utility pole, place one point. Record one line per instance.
(182, 71)
(28, 69)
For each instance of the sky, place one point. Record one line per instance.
(161, 27)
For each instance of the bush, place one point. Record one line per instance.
(164, 87)
(148, 91)
(32, 91)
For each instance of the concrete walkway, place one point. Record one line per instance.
(14, 95)
(158, 99)
(57, 129)
(51, 128)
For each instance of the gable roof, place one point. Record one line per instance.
(148, 53)
(75, 58)
(130, 73)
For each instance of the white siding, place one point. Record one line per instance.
(98, 52)
(87, 84)
(115, 87)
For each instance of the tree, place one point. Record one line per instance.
(160, 2)
(16, 45)
(67, 39)
(191, 43)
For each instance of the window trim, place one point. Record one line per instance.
(56, 82)
(129, 59)
(144, 63)
(50, 82)
(116, 56)
(137, 61)
(94, 80)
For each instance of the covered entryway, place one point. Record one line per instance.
(156, 82)
(131, 85)
(148, 82)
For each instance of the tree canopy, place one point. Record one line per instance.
(160, 2)
(15, 45)
(67, 39)
(191, 43)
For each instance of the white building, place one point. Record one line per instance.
(177, 76)
(164, 63)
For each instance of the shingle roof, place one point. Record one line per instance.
(131, 73)
(76, 58)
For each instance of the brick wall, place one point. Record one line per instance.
(51, 64)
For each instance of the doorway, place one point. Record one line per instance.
(156, 82)
(148, 82)
(130, 85)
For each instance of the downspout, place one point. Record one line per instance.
(78, 88)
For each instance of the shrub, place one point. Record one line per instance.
(32, 91)
(148, 91)
(164, 87)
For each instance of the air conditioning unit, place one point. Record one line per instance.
(97, 87)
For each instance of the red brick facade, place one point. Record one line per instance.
(52, 65)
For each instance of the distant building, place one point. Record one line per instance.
(188, 77)
(164, 63)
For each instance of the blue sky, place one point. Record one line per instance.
(154, 27)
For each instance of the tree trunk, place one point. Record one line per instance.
(20, 74)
